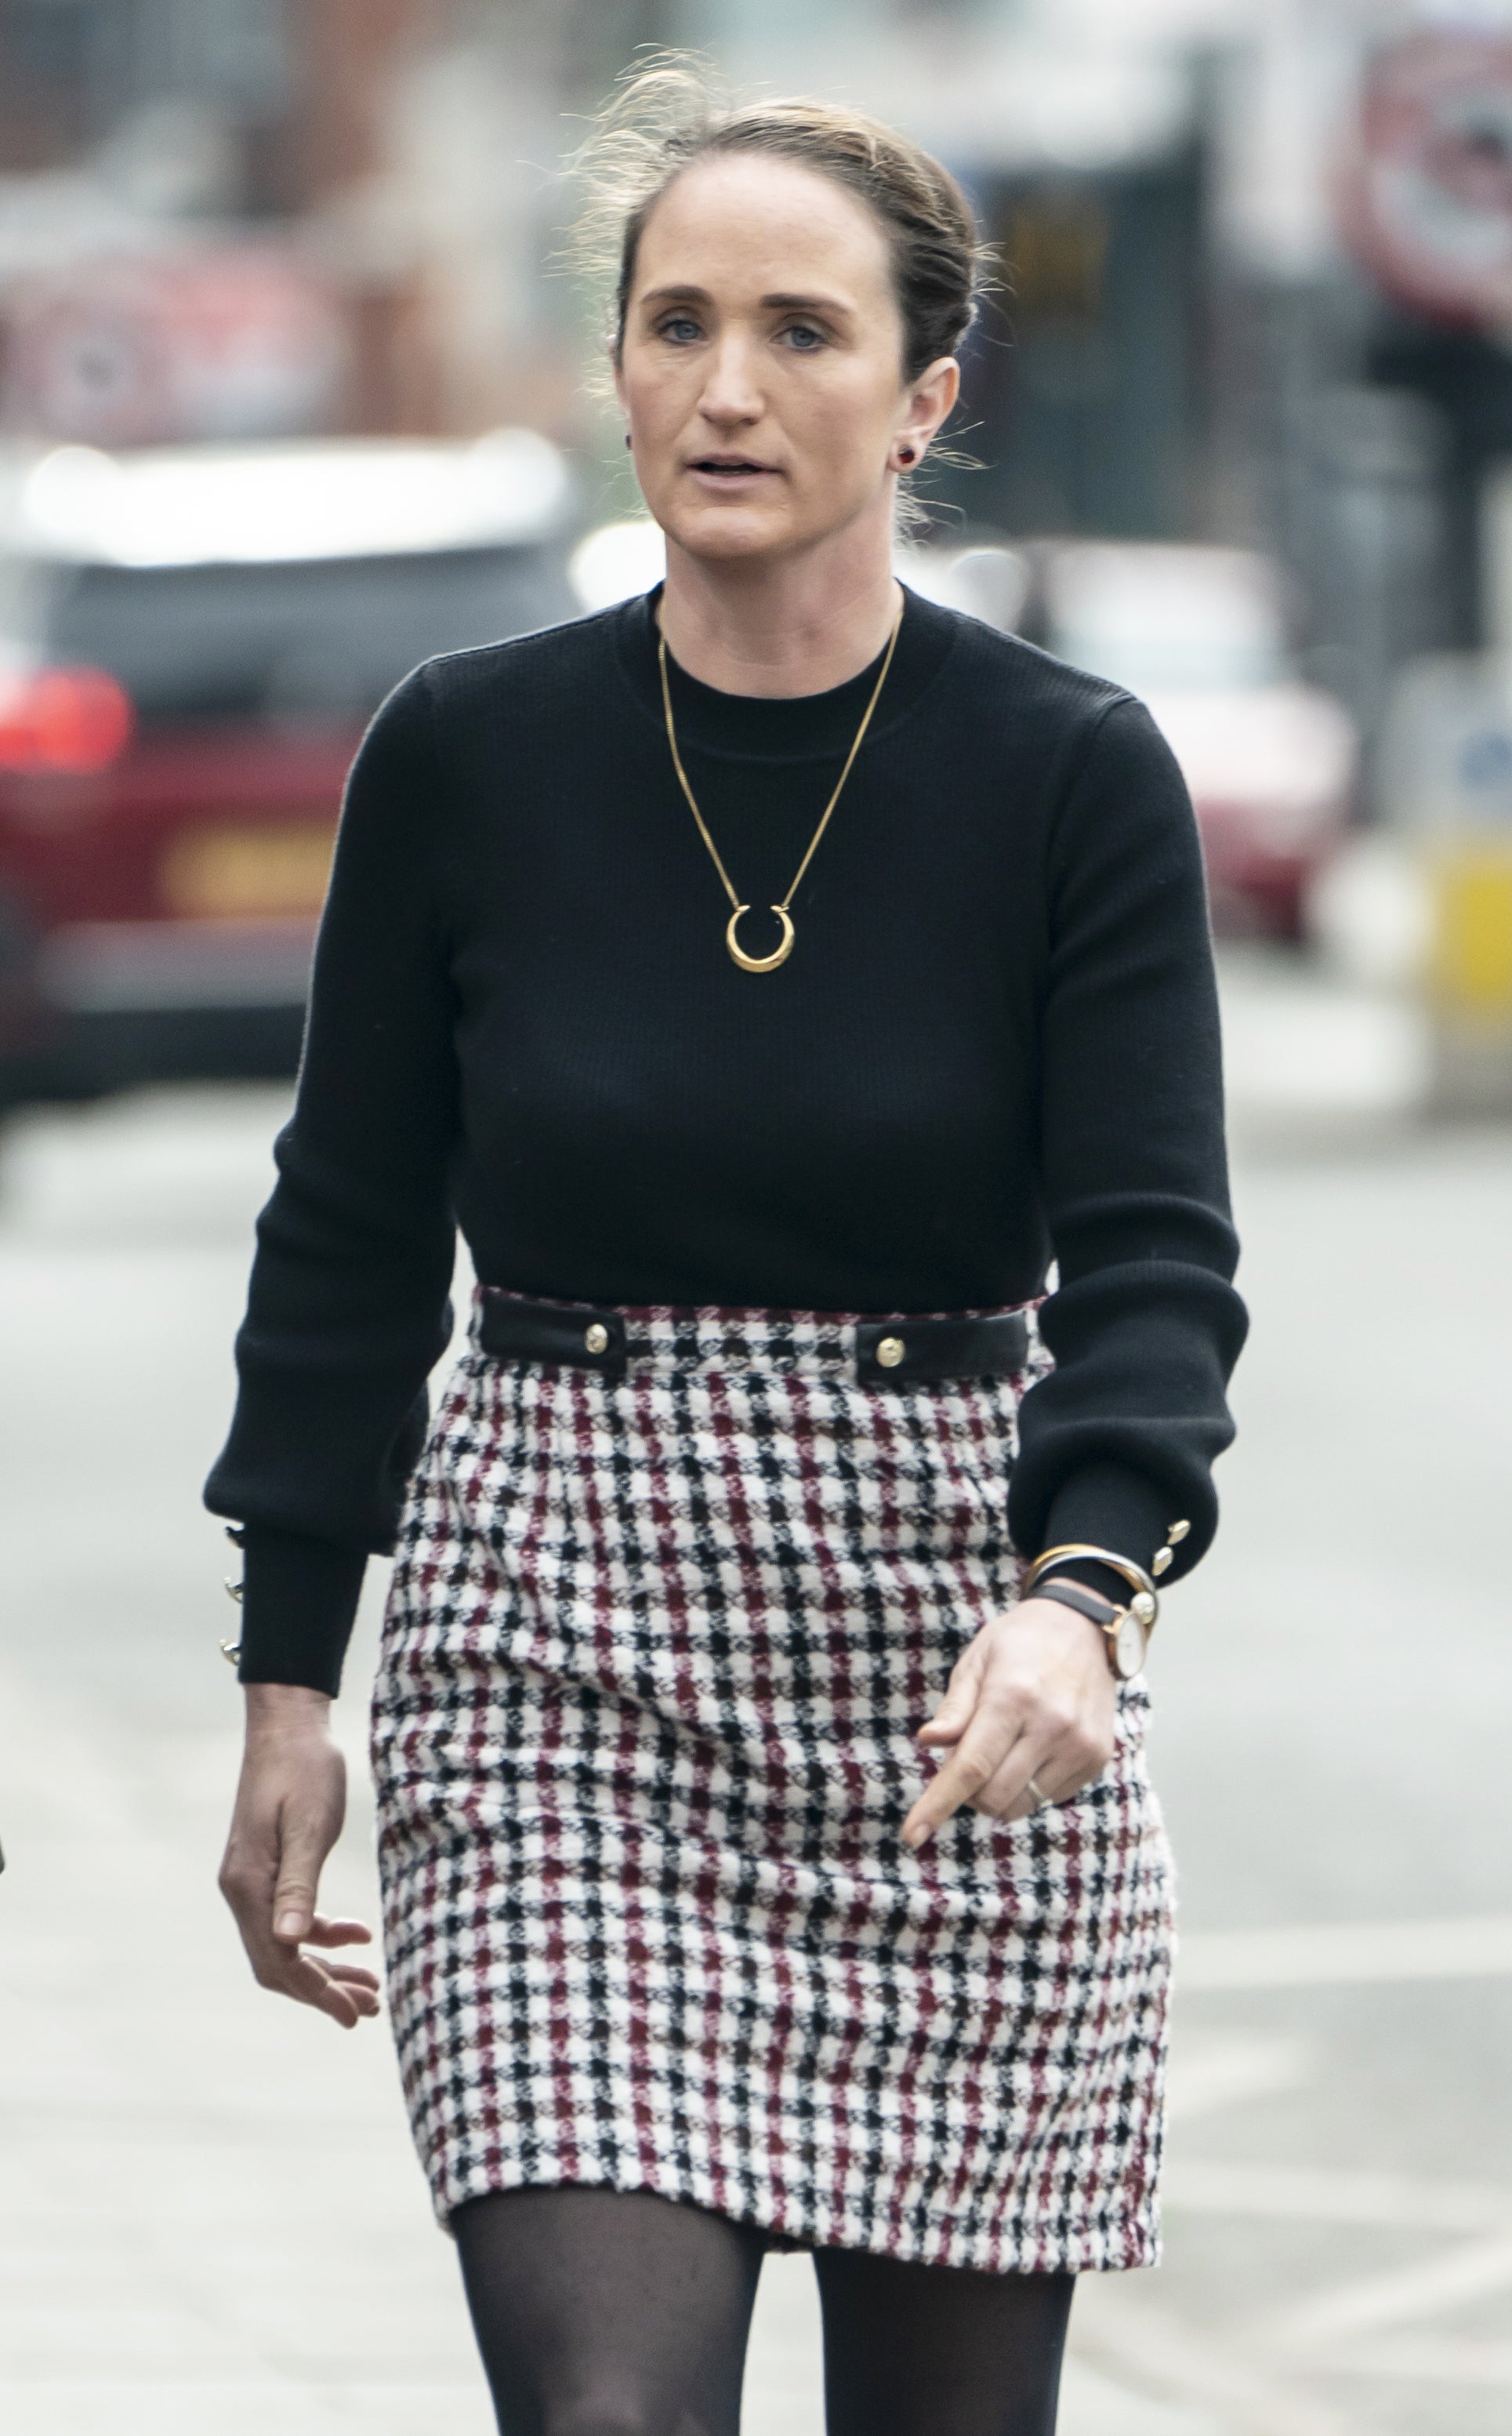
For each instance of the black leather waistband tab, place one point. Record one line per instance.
(919, 1352)
(516, 1328)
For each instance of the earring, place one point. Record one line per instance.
(906, 456)
(629, 443)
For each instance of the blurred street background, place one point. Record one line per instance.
(291, 396)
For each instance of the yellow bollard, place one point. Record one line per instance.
(1470, 973)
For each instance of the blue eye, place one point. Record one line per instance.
(805, 338)
(680, 330)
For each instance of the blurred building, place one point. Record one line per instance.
(1255, 250)
(361, 182)
(1078, 131)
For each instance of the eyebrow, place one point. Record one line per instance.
(806, 305)
(686, 294)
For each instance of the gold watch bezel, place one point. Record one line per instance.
(1113, 1634)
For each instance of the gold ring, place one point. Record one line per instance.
(1040, 1799)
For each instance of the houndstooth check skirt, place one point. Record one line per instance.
(655, 1653)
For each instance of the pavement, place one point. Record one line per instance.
(211, 2220)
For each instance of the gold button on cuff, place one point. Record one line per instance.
(890, 1352)
(1177, 1533)
(595, 1337)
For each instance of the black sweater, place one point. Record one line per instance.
(995, 1043)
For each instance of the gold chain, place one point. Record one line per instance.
(781, 953)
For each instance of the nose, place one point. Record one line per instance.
(732, 394)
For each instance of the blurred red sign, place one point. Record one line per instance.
(228, 342)
(1427, 194)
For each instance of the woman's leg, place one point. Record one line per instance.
(939, 2351)
(608, 2313)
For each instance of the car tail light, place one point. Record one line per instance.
(70, 721)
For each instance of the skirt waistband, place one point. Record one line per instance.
(912, 1349)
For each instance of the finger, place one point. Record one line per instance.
(1059, 1781)
(288, 1968)
(1067, 1762)
(350, 1976)
(326, 1995)
(357, 1972)
(982, 1748)
(309, 1983)
(338, 1932)
(953, 1715)
(305, 1978)
(299, 1877)
(365, 1999)
(1020, 1786)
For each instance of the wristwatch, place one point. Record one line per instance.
(1126, 1634)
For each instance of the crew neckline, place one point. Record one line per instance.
(783, 727)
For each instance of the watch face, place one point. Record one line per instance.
(1129, 1644)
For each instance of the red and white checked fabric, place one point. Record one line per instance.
(656, 1654)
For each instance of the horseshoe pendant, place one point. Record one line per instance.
(759, 963)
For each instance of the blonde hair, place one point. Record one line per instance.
(672, 112)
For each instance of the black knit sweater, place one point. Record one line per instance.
(995, 1043)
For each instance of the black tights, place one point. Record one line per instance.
(617, 2313)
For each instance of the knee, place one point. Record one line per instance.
(602, 2412)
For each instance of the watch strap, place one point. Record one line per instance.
(1108, 1619)
(1097, 1610)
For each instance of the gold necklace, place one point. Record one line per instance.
(784, 949)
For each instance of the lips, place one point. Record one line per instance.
(729, 465)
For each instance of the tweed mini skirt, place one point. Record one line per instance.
(657, 1650)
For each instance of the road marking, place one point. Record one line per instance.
(1436, 2359)
(1210, 2074)
(1120, 2331)
(1092, 2405)
(1354, 1953)
(1324, 2195)
(1446, 2282)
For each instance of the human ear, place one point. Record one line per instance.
(928, 403)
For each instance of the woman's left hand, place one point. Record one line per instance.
(1033, 1697)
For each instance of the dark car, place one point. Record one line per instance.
(191, 642)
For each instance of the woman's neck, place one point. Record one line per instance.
(796, 628)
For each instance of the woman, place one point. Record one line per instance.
(701, 1934)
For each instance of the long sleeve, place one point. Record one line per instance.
(348, 1306)
(1145, 1326)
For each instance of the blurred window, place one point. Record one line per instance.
(1057, 244)
(319, 638)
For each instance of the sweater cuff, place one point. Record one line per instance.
(1108, 1506)
(299, 1602)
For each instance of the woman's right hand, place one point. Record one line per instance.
(290, 1803)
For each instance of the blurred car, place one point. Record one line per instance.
(191, 643)
(1200, 633)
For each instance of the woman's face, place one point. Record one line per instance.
(761, 367)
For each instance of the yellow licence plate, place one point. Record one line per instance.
(248, 871)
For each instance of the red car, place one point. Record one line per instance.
(191, 642)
